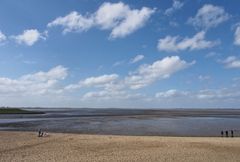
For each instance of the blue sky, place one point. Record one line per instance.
(125, 54)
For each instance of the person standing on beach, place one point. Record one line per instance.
(222, 133)
(226, 133)
(39, 133)
(232, 133)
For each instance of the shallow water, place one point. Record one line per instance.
(126, 122)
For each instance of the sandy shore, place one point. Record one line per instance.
(26, 146)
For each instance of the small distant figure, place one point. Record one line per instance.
(222, 133)
(42, 134)
(226, 132)
(232, 135)
(39, 133)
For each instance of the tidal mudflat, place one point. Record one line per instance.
(173, 122)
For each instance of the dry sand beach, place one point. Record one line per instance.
(26, 146)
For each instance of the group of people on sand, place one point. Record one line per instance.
(41, 133)
(227, 133)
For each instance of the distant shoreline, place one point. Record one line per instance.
(4, 110)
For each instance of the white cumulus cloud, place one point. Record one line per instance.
(104, 94)
(222, 95)
(34, 84)
(111, 86)
(29, 37)
(2, 37)
(231, 62)
(117, 17)
(218, 94)
(99, 81)
(209, 16)
(237, 35)
(172, 93)
(137, 59)
(161, 69)
(111, 95)
(134, 20)
(175, 6)
(204, 77)
(73, 22)
(175, 44)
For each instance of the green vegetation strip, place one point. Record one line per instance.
(17, 111)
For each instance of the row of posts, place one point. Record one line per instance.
(227, 133)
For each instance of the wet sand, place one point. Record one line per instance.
(26, 146)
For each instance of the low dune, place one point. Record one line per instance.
(26, 146)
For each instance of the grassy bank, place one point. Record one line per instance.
(17, 111)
